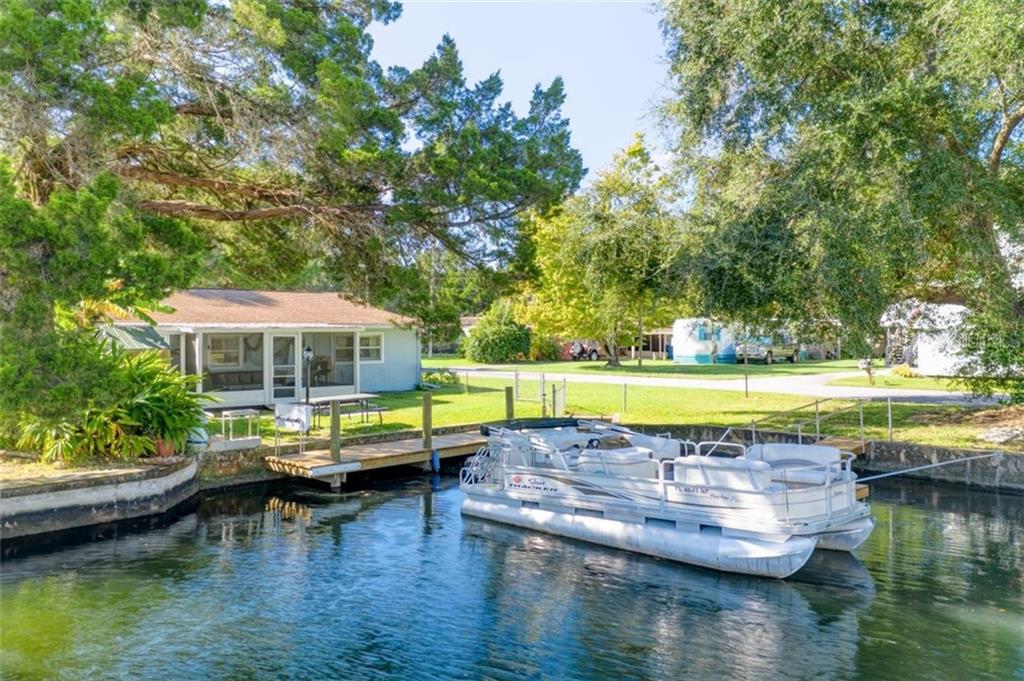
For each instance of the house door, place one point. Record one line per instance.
(285, 364)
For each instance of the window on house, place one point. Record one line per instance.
(344, 348)
(371, 348)
(332, 358)
(225, 351)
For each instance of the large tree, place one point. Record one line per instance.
(148, 144)
(871, 151)
(267, 121)
(603, 260)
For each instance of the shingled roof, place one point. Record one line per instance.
(225, 307)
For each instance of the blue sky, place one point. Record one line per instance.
(610, 55)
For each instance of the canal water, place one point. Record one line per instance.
(391, 582)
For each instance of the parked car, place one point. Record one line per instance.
(584, 350)
(768, 350)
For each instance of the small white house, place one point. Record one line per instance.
(923, 335)
(248, 345)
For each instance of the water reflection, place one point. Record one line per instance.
(640, 617)
(393, 582)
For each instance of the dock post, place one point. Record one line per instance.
(554, 401)
(335, 431)
(624, 388)
(860, 413)
(428, 435)
(510, 403)
(889, 408)
(817, 421)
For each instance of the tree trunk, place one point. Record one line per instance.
(613, 354)
(640, 329)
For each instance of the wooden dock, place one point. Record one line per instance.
(846, 444)
(854, 446)
(318, 463)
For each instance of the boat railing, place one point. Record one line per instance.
(687, 446)
(529, 445)
(701, 446)
(478, 468)
(839, 470)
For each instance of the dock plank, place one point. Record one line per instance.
(317, 463)
(848, 444)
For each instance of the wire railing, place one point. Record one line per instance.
(811, 428)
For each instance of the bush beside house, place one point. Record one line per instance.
(497, 337)
(146, 407)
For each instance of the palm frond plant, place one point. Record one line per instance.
(164, 403)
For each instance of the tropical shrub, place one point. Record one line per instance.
(95, 434)
(497, 337)
(904, 371)
(164, 404)
(145, 400)
(440, 377)
(544, 347)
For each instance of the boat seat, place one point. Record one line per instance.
(633, 462)
(783, 458)
(564, 439)
(778, 451)
(721, 471)
(663, 448)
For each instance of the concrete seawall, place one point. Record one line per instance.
(94, 498)
(150, 490)
(49, 507)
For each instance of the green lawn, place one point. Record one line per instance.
(892, 381)
(657, 368)
(928, 424)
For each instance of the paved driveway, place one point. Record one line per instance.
(812, 385)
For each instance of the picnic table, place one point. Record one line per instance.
(361, 399)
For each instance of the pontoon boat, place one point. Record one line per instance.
(759, 510)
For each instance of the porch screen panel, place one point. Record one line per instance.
(232, 361)
(174, 341)
(190, 353)
(333, 359)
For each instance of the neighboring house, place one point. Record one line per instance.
(248, 345)
(657, 344)
(923, 335)
(698, 341)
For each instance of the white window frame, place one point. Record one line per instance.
(335, 337)
(181, 348)
(379, 346)
(238, 349)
